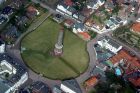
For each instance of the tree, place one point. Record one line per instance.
(37, 4)
(116, 9)
(21, 10)
(6, 75)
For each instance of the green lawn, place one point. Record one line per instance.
(39, 43)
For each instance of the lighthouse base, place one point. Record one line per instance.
(57, 52)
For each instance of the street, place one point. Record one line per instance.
(15, 51)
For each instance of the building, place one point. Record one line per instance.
(66, 7)
(136, 28)
(111, 45)
(56, 89)
(11, 33)
(58, 18)
(91, 82)
(98, 71)
(2, 46)
(102, 54)
(68, 23)
(134, 78)
(3, 18)
(36, 87)
(84, 35)
(12, 74)
(79, 27)
(7, 11)
(70, 86)
(95, 4)
(1, 1)
(21, 21)
(127, 61)
(31, 12)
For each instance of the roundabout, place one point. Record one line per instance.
(37, 47)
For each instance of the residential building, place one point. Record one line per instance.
(128, 62)
(79, 27)
(91, 82)
(31, 12)
(68, 9)
(64, 8)
(134, 78)
(7, 11)
(84, 35)
(11, 33)
(98, 71)
(136, 28)
(12, 74)
(36, 87)
(3, 18)
(111, 45)
(102, 54)
(70, 86)
(21, 21)
(40, 87)
(2, 46)
(95, 4)
(1, 1)
(58, 18)
(56, 89)
(68, 23)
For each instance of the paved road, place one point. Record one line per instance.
(90, 49)
(92, 64)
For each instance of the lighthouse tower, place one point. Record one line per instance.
(58, 50)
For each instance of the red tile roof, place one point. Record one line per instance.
(91, 81)
(135, 82)
(133, 61)
(69, 22)
(68, 2)
(31, 9)
(136, 27)
(85, 35)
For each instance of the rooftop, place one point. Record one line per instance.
(91, 81)
(85, 35)
(7, 10)
(14, 75)
(68, 2)
(40, 87)
(69, 22)
(73, 85)
(31, 9)
(112, 42)
(125, 56)
(136, 27)
(134, 78)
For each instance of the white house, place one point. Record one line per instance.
(70, 86)
(95, 4)
(138, 20)
(61, 8)
(67, 89)
(65, 10)
(107, 43)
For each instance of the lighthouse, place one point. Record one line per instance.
(58, 50)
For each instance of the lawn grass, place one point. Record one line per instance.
(39, 43)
